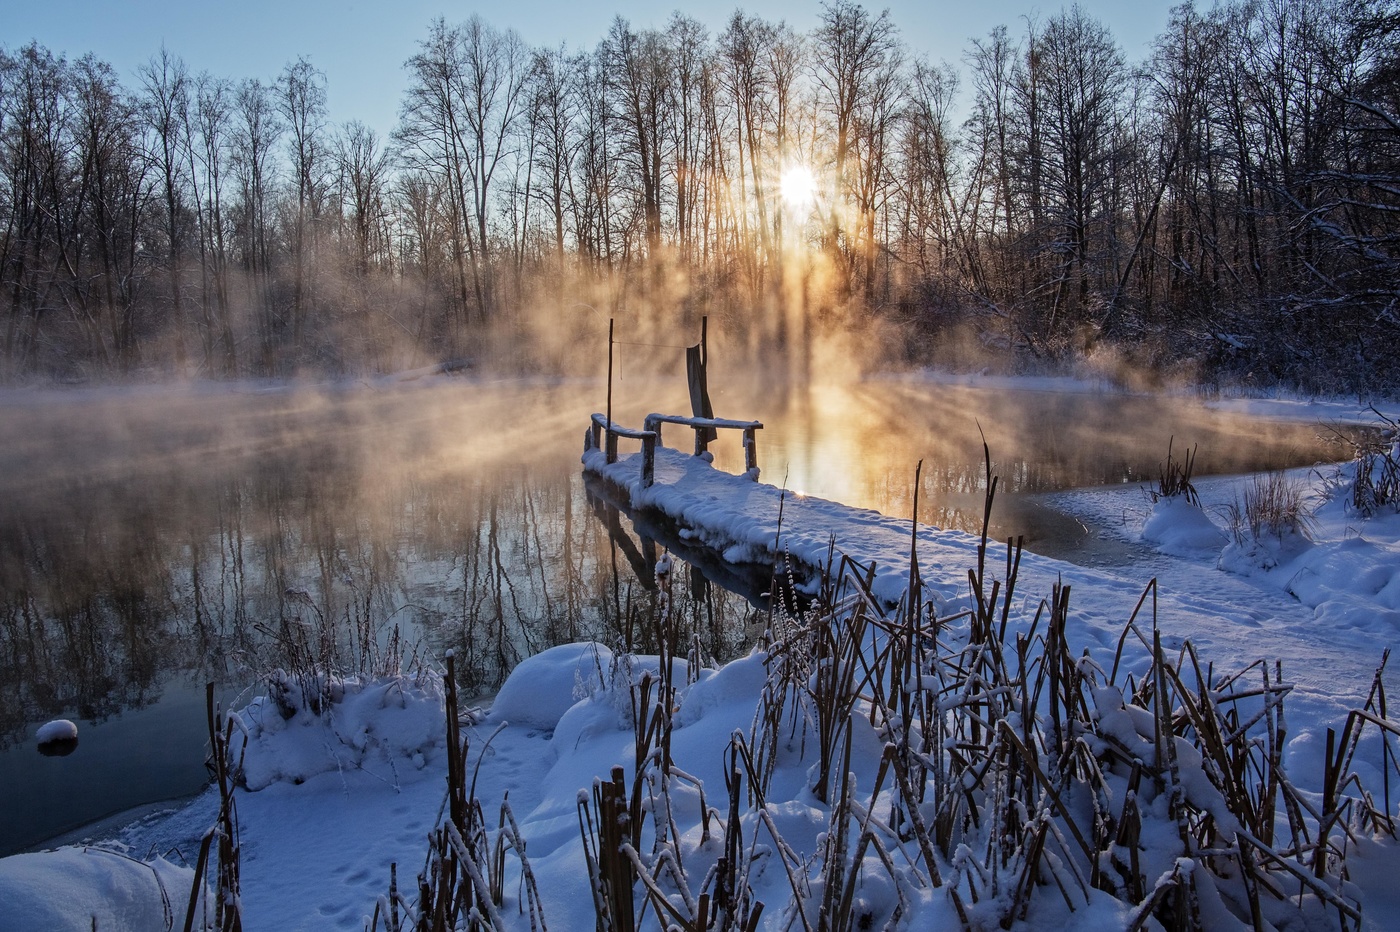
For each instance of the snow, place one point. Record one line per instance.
(333, 799)
(390, 728)
(748, 522)
(81, 889)
(58, 730)
(1341, 572)
(1181, 528)
(549, 683)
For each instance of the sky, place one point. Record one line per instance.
(361, 46)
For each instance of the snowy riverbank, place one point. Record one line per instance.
(344, 795)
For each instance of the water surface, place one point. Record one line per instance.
(154, 540)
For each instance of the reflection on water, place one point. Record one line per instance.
(150, 542)
(859, 444)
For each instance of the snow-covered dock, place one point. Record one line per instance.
(747, 522)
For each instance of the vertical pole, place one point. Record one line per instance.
(612, 445)
(705, 342)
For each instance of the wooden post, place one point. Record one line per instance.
(750, 449)
(649, 444)
(705, 344)
(612, 442)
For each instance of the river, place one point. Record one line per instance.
(153, 539)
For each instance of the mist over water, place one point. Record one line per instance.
(153, 539)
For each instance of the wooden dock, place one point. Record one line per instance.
(756, 527)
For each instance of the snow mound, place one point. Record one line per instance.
(1179, 528)
(392, 726)
(543, 687)
(733, 690)
(81, 889)
(1273, 549)
(1354, 583)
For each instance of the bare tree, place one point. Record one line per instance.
(256, 131)
(989, 214)
(931, 235)
(166, 100)
(210, 134)
(36, 127)
(497, 68)
(552, 112)
(102, 255)
(301, 103)
(465, 99)
(364, 171)
(1071, 92)
(641, 70)
(592, 199)
(1231, 199)
(689, 45)
(856, 65)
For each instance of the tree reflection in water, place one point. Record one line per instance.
(110, 588)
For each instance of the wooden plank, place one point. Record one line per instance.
(716, 422)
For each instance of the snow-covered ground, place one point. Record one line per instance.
(341, 796)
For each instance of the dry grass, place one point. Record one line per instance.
(310, 652)
(1376, 486)
(1174, 477)
(1272, 505)
(462, 884)
(224, 861)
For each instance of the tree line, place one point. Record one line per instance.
(1231, 202)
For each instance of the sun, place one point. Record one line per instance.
(798, 187)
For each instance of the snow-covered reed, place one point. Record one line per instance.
(976, 770)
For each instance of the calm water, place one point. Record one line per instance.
(152, 541)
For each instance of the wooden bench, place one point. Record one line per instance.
(650, 436)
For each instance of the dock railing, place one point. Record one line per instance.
(604, 436)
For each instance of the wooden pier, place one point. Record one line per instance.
(756, 528)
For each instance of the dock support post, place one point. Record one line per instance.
(612, 441)
(750, 451)
(649, 460)
(651, 439)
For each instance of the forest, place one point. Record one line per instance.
(1227, 210)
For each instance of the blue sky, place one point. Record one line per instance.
(361, 46)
